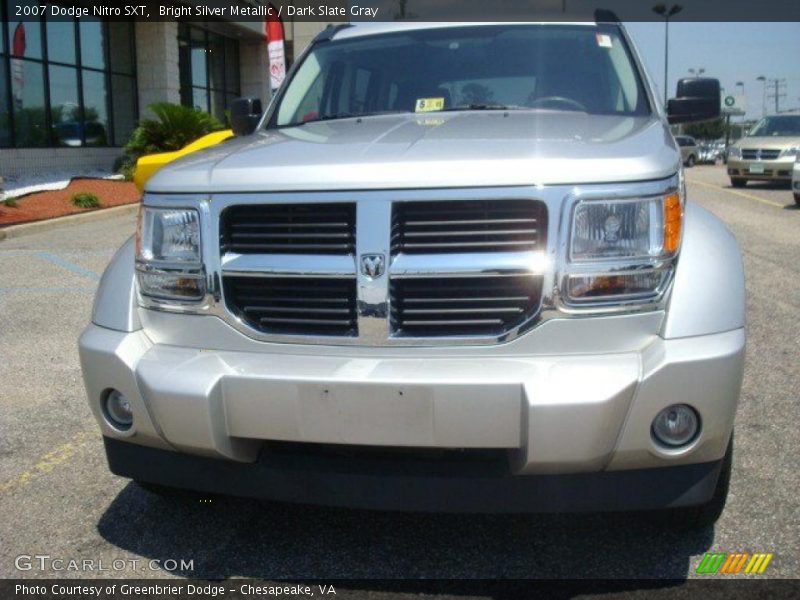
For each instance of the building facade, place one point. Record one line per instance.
(72, 91)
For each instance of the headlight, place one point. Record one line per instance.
(793, 151)
(622, 249)
(168, 254)
(169, 235)
(734, 152)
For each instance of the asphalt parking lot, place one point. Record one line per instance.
(58, 498)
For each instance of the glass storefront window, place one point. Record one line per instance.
(199, 65)
(123, 103)
(65, 110)
(24, 38)
(93, 43)
(27, 100)
(5, 113)
(120, 39)
(61, 41)
(95, 110)
(66, 83)
(216, 61)
(200, 98)
(209, 69)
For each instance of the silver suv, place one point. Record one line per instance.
(689, 149)
(450, 267)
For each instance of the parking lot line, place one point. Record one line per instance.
(77, 269)
(734, 192)
(47, 290)
(49, 461)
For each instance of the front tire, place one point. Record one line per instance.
(738, 182)
(690, 162)
(797, 199)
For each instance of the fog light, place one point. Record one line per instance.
(676, 425)
(118, 410)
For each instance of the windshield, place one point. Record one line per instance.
(788, 125)
(524, 67)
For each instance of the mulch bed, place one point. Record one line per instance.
(57, 203)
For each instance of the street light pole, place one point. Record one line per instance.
(661, 9)
(763, 81)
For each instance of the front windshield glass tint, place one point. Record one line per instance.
(778, 126)
(526, 67)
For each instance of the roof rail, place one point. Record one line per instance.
(603, 15)
(330, 31)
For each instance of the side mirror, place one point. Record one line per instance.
(697, 99)
(245, 115)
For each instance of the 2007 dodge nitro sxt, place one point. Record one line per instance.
(451, 267)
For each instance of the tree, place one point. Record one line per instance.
(707, 130)
(175, 127)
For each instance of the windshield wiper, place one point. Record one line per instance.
(343, 115)
(331, 117)
(482, 106)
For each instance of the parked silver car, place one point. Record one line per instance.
(768, 153)
(711, 152)
(452, 267)
(689, 149)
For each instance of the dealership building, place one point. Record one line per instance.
(71, 91)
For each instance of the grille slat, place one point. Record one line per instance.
(457, 300)
(473, 246)
(323, 228)
(287, 248)
(762, 154)
(288, 236)
(498, 232)
(298, 305)
(291, 309)
(452, 311)
(299, 321)
(426, 307)
(467, 226)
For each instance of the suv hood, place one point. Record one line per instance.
(769, 142)
(463, 149)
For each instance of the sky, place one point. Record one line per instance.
(730, 52)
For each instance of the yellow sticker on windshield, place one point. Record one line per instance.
(429, 104)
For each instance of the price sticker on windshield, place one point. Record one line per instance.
(603, 40)
(429, 104)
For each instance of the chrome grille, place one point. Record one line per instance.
(294, 305)
(763, 154)
(433, 307)
(325, 228)
(467, 226)
(453, 267)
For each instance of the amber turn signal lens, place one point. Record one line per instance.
(673, 222)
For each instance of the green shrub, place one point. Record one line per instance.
(10, 203)
(174, 127)
(86, 200)
(125, 166)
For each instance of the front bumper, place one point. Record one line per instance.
(762, 170)
(542, 415)
(409, 483)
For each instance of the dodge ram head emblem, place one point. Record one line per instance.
(372, 265)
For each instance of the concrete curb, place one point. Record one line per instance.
(13, 231)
